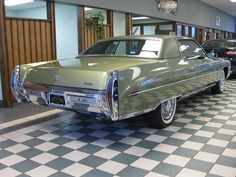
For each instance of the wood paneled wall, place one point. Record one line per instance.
(25, 41)
(88, 35)
(128, 24)
(3, 58)
(81, 28)
(28, 41)
(91, 34)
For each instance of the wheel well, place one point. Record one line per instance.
(226, 71)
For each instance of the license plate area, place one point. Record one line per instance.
(57, 99)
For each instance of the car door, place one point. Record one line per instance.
(203, 66)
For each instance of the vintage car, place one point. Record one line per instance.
(223, 48)
(123, 77)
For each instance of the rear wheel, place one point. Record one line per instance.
(163, 116)
(219, 87)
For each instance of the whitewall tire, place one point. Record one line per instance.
(163, 116)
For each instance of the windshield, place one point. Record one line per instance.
(142, 48)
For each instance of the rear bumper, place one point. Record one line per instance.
(78, 100)
(102, 102)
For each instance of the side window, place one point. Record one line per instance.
(191, 50)
(212, 44)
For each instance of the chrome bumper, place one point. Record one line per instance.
(79, 101)
(76, 99)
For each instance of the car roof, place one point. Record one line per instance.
(146, 37)
(221, 40)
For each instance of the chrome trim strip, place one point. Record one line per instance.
(59, 88)
(195, 92)
(37, 87)
(136, 113)
(155, 88)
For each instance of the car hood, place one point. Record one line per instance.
(85, 72)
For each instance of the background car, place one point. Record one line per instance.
(123, 77)
(223, 48)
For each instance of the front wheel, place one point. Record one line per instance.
(219, 87)
(163, 116)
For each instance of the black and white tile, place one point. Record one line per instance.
(200, 142)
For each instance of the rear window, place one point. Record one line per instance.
(212, 44)
(143, 48)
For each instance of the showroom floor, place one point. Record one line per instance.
(201, 142)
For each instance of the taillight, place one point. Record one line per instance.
(112, 95)
(231, 53)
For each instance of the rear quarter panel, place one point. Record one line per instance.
(160, 80)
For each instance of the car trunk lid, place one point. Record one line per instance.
(86, 72)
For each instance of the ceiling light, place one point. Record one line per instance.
(140, 18)
(88, 8)
(233, 0)
(16, 2)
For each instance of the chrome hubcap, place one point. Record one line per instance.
(222, 81)
(167, 110)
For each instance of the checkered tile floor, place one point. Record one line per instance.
(201, 142)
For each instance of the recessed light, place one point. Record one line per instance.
(16, 2)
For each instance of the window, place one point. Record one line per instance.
(179, 30)
(193, 32)
(191, 50)
(136, 30)
(186, 31)
(92, 13)
(149, 30)
(212, 44)
(26, 9)
(168, 27)
(143, 48)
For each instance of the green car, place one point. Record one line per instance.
(124, 77)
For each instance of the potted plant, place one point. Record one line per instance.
(97, 21)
